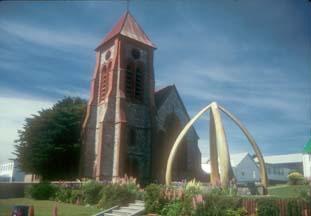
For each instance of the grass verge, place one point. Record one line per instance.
(45, 207)
(287, 191)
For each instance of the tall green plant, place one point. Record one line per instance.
(49, 142)
(267, 207)
(118, 194)
(154, 198)
(293, 208)
(42, 191)
(91, 192)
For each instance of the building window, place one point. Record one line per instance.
(242, 173)
(282, 171)
(104, 81)
(134, 85)
(129, 80)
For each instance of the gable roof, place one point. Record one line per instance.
(282, 159)
(236, 159)
(128, 27)
(161, 95)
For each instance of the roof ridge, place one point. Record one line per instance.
(125, 17)
(164, 88)
(127, 26)
(140, 28)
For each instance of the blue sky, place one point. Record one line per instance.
(252, 57)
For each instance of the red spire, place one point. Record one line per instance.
(128, 27)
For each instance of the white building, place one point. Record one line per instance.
(9, 172)
(243, 165)
(244, 168)
(279, 166)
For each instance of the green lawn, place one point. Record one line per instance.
(286, 191)
(45, 208)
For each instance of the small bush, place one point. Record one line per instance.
(305, 195)
(42, 191)
(76, 196)
(267, 207)
(154, 198)
(219, 205)
(293, 208)
(117, 194)
(91, 192)
(295, 178)
(173, 209)
(69, 195)
(63, 194)
(193, 188)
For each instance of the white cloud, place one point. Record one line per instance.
(56, 38)
(256, 88)
(13, 111)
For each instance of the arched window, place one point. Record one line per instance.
(139, 81)
(103, 82)
(129, 80)
(134, 82)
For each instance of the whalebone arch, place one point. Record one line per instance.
(219, 152)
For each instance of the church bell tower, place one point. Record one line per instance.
(117, 130)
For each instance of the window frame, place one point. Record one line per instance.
(104, 81)
(133, 85)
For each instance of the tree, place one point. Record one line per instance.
(49, 143)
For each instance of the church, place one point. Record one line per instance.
(130, 127)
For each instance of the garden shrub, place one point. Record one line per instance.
(41, 191)
(267, 206)
(174, 208)
(117, 194)
(91, 192)
(77, 196)
(63, 194)
(305, 195)
(219, 205)
(172, 200)
(295, 178)
(193, 188)
(189, 201)
(154, 198)
(293, 208)
(69, 195)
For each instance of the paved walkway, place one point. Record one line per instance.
(277, 186)
(134, 209)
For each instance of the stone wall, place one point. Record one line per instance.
(13, 190)
(173, 105)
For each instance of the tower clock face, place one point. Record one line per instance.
(135, 53)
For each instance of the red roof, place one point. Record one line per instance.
(127, 26)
